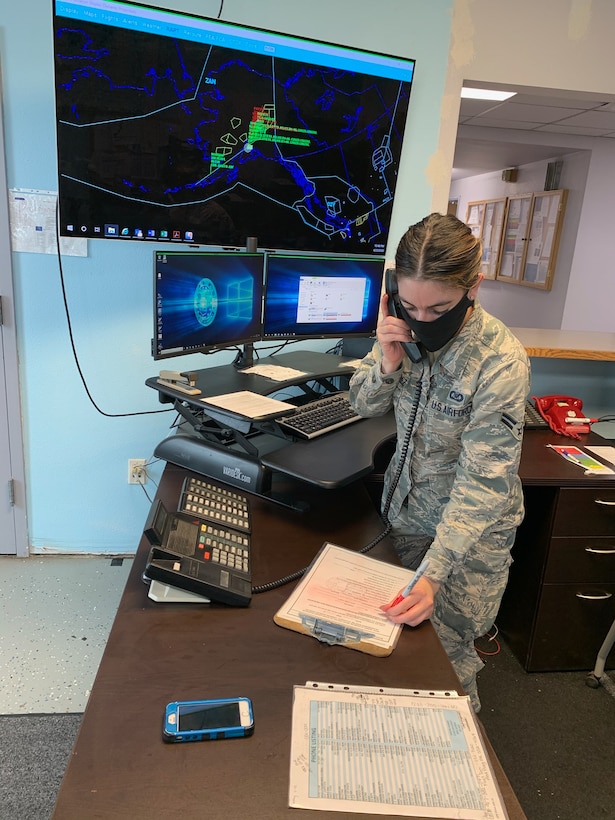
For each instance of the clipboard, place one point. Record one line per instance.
(339, 597)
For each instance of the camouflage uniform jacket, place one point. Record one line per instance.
(459, 481)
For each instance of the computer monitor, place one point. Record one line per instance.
(206, 301)
(321, 297)
(177, 128)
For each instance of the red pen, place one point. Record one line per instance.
(410, 585)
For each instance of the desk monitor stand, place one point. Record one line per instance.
(244, 357)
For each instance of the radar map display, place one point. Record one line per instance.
(177, 128)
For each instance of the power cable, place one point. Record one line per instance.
(72, 338)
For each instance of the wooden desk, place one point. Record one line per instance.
(560, 598)
(566, 344)
(540, 466)
(120, 768)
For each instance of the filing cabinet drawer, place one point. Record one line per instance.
(560, 600)
(586, 558)
(585, 512)
(571, 624)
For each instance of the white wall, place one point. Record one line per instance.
(516, 305)
(557, 44)
(590, 301)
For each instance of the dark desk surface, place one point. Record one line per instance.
(337, 458)
(156, 653)
(349, 453)
(540, 465)
(214, 381)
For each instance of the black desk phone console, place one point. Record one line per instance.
(198, 555)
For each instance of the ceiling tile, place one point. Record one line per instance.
(594, 119)
(556, 102)
(547, 111)
(510, 123)
(473, 108)
(532, 113)
(578, 130)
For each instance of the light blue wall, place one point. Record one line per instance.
(78, 498)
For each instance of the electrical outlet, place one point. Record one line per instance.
(137, 473)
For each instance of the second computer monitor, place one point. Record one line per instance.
(320, 297)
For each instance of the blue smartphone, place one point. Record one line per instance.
(208, 719)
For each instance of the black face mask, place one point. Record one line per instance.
(434, 335)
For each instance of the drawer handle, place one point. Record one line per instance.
(604, 596)
(604, 503)
(599, 552)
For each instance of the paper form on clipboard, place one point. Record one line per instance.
(338, 600)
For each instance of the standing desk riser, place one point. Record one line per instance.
(330, 461)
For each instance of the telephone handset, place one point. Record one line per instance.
(396, 309)
(563, 414)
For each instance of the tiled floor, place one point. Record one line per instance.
(55, 617)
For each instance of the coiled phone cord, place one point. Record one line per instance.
(287, 579)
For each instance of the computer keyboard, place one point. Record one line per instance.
(533, 419)
(320, 416)
(220, 505)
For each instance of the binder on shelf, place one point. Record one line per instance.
(338, 601)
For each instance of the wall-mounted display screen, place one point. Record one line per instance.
(205, 301)
(179, 128)
(316, 297)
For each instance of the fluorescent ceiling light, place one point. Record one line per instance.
(486, 94)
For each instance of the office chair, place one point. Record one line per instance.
(598, 675)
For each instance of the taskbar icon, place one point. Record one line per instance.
(114, 230)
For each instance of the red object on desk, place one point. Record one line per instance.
(563, 414)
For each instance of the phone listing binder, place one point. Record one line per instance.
(338, 601)
(375, 750)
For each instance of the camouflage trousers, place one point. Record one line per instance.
(467, 603)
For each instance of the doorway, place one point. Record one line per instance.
(13, 529)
